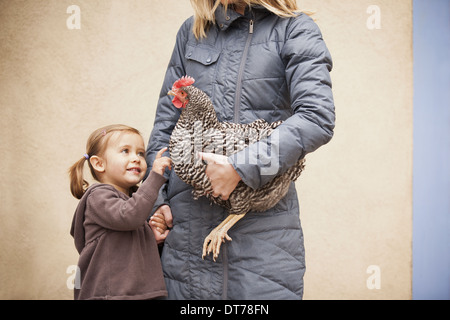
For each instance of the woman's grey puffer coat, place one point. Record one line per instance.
(253, 66)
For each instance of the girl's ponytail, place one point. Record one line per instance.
(77, 184)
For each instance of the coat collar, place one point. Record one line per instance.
(225, 19)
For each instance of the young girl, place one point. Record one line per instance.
(119, 256)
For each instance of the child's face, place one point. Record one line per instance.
(124, 161)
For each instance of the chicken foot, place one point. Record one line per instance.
(218, 235)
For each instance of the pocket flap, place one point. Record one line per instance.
(205, 56)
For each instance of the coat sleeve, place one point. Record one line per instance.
(111, 211)
(166, 114)
(307, 68)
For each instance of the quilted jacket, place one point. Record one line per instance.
(256, 65)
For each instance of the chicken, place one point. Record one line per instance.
(199, 130)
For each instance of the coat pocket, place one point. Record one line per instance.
(203, 55)
(201, 63)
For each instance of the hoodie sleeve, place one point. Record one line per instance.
(307, 70)
(109, 210)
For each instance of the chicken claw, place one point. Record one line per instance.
(218, 236)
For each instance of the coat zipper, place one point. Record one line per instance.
(237, 100)
(236, 120)
(225, 271)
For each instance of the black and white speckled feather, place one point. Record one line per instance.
(198, 129)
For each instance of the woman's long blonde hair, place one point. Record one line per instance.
(204, 11)
(95, 146)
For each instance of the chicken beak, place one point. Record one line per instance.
(171, 93)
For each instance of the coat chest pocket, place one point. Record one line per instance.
(204, 55)
(198, 57)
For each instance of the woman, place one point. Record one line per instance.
(255, 59)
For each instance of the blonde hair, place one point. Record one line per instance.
(204, 11)
(95, 146)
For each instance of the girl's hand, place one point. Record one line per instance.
(221, 174)
(161, 163)
(160, 222)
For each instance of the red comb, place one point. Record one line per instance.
(183, 82)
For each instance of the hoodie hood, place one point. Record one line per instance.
(77, 230)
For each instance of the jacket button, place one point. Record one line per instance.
(208, 60)
(227, 18)
(221, 25)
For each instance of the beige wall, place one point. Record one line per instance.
(57, 85)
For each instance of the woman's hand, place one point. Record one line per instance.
(221, 174)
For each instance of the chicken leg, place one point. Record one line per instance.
(218, 235)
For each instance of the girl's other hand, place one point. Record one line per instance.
(161, 163)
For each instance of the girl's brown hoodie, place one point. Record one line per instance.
(119, 257)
